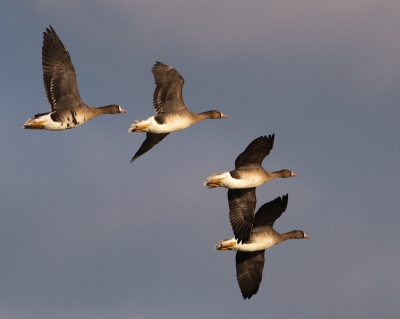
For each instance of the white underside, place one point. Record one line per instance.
(260, 245)
(232, 183)
(154, 127)
(49, 124)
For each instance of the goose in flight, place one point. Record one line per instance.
(250, 254)
(171, 112)
(67, 109)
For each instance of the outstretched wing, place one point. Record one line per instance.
(150, 141)
(268, 213)
(249, 268)
(58, 73)
(168, 93)
(242, 203)
(255, 152)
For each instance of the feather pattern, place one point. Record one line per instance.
(249, 268)
(167, 96)
(255, 152)
(268, 213)
(242, 203)
(59, 75)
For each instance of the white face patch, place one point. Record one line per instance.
(121, 110)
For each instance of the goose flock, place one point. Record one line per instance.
(253, 233)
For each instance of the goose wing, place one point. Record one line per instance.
(150, 141)
(168, 93)
(242, 203)
(268, 213)
(255, 152)
(249, 268)
(58, 73)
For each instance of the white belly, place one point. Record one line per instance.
(255, 246)
(233, 183)
(172, 126)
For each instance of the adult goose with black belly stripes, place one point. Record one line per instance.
(67, 109)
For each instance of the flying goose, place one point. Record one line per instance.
(248, 171)
(242, 182)
(250, 254)
(242, 204)
(67, 110)
(171, 112)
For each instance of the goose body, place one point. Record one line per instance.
(250, 253)
(248, 171)
(171, 122)
(247, 179)
(264, 240)
(67, 109)
(171, 112)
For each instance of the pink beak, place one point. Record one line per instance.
(294, 174)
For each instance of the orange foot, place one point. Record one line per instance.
(226, 247)
(215, 182)
(141, 128)
(36, 126)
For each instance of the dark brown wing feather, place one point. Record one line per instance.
(242, 203)
(58, 73)
(249, 268)
(168, 93)
(255, 153)
(268, 213)
(150, 141)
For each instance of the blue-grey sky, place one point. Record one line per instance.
(86, 234)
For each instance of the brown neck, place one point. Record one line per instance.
(203, 115)
(278, 174)
(270, 175)
(101, 110)
(294, 234)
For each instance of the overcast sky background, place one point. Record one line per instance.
(86, 234)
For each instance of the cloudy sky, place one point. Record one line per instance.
(86, 234)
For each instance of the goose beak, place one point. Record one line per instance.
(293, 174)
(121, 110)
(223, 116)
(306, 236)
